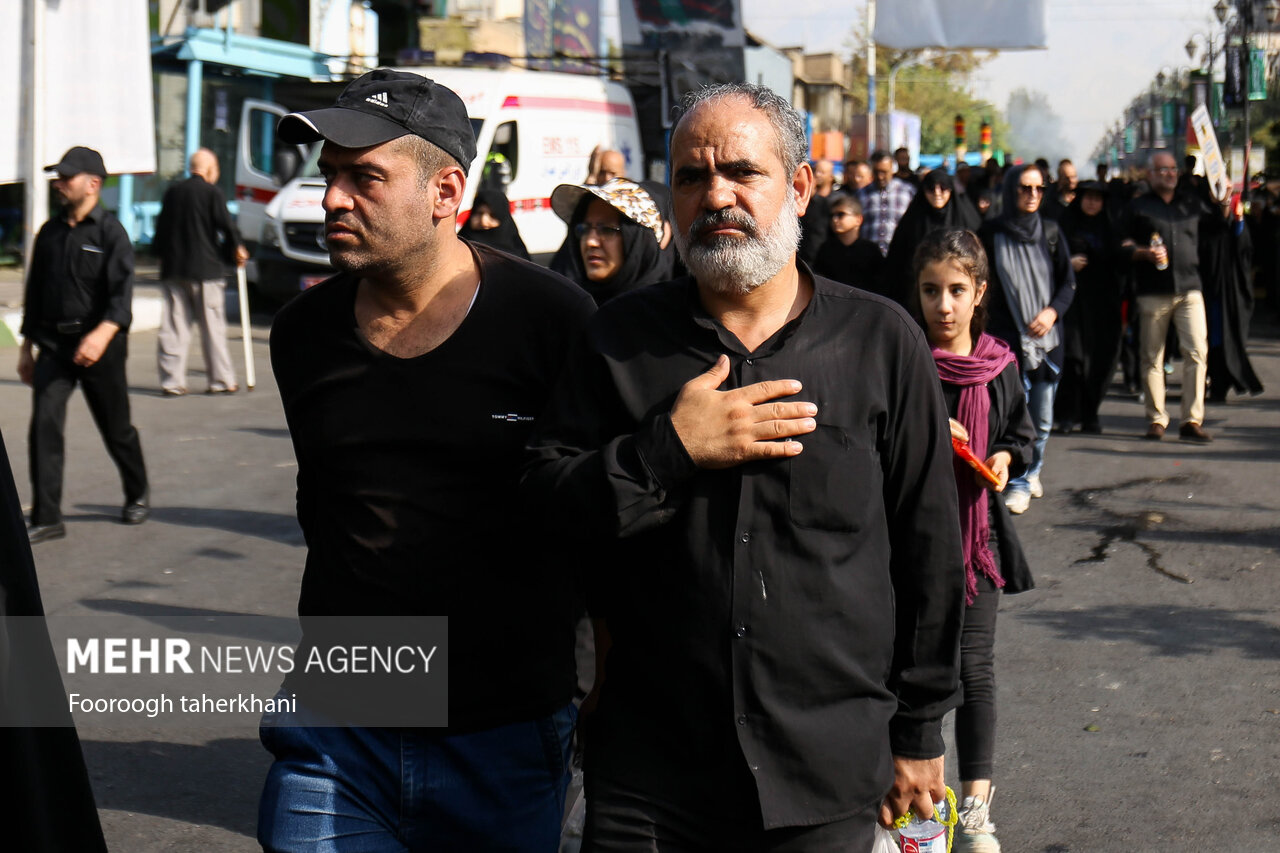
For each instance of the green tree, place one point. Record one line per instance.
(934, 85)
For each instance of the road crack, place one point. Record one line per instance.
(1126, 528)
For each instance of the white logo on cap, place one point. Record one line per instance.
(378, 100)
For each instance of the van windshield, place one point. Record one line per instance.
(311, 168)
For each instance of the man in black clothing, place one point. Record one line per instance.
(815, 225)
(1059, 195)
(76, 313)
(781, 574)
(196, 242)
(902, 157)
(410, 381)
(1169, 290)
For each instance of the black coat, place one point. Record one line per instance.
(50, 808)
(1010, 429)
(1226, 269)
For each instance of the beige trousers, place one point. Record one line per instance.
(204, 304)
(1186, 312)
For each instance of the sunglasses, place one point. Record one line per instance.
(1031, 189)
(582, 229)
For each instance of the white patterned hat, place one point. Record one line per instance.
(627, 197)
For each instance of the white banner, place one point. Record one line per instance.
(993, 24)
(10, 88)
(95, 81)
(1215, 170)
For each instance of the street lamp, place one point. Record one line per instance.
(1211, 47)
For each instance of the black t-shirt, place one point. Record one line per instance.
(407, 480)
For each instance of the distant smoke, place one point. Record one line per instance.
(1035, 130)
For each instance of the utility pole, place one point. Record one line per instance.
(871, 76)
(35, 208)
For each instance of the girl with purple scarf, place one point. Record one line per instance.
(983, 390)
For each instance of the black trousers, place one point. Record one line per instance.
(621, 819)
(107, 392)
(976, 717)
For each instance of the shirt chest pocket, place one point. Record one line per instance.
(832, 481)
(88, 262)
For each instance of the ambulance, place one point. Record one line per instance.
(534, 130)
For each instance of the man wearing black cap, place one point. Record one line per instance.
(76, 312)
(410, 381)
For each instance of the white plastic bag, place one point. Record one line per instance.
(884, 842)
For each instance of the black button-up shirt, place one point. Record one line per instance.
(82, 273)
(802, 614)
(1178, 223)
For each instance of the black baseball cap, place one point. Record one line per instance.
(384, 105)
(77, 160)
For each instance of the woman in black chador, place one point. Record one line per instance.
(1092, 326)
(491, 223)
(935, 206)
(1226, 270)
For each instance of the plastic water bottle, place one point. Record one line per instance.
(1156, 243)
(925, 836)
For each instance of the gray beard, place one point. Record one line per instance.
(733, 265)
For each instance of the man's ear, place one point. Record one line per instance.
(802, 182)
(450, 184)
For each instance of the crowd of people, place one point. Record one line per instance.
(768, 431)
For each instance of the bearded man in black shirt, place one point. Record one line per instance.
(75, 326)
(765, 456)
(410, 382)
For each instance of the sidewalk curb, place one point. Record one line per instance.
(146, 316)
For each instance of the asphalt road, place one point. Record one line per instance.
(1139, 683)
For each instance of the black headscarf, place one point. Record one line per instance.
(641, 258)
(1025, 227)
(920, 218)
(506, 237)
(1084, 232)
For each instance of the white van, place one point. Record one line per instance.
(542, 125)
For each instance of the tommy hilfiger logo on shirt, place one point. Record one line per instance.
(511, 418)
(378, 100)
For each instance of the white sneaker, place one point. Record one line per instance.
(975, 833)
(1017, 502)
(1037, 490)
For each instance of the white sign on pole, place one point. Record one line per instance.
(997, 24)
(1215, 168)
(95, 78)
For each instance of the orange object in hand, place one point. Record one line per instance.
(962, 450)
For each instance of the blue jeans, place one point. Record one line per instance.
(1040, 392)
(366, 790)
